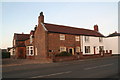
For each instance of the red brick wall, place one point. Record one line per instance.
(27, 42)
(20, 52)
(20, 43)
(40, 42)
(54, 42)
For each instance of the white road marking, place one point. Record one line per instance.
(98, 66)
(52, 74)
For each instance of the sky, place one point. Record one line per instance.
(18, 17)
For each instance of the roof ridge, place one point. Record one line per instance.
(71, 30)
(113, 34)
(68, 26)
(21, 34)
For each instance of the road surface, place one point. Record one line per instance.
(89, 68)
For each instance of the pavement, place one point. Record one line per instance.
(16, 62)
(90, 68)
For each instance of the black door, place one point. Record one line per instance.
(70, 51)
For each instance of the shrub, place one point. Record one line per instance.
(5, 55)
(64, 53)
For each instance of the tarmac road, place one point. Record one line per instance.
(90, 68)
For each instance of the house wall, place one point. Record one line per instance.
(54, 42)
(20, 52)
(40, 43)
(93, 41)
(111, 43)
(27, 42)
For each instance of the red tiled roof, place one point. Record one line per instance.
(71, 30)
(21, 36)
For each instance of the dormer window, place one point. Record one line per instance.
(31, 40)
(62, 37)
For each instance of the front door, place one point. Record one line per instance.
(71, 51)
(94, 50)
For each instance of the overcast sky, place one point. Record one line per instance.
(18, 17)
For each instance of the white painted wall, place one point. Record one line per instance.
(112, 43)
(12, 52)
(93, 41)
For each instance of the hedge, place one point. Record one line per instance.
(5, 55)
(64, 53)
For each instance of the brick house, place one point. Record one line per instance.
(52, 38)
(19, 46)
(47, 39)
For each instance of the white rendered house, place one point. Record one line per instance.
(113, 42)
(92, 44)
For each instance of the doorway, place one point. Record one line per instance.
(71, 51)
(94, 50)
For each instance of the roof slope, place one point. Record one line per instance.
(71, 30)
(21, 36)
(114, 34)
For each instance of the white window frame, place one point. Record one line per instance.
(77, 49)
(77, 38)
(36, 51)
(29, 50)
(86, 49)
(62, 49)
(86, 38)
(62, 36)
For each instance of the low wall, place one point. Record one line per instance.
(30, 57)
(64, 58)
(81, 56)
(90, 56)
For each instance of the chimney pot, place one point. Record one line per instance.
(41, 13)
(35, 27)
(96, 27)
(41, 18)
(115, 31)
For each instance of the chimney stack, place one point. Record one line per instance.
(41, 18)
(31, 32)
(96, 27)
(35, 27)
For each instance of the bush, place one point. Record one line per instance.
(5, 55)
(64, 53)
